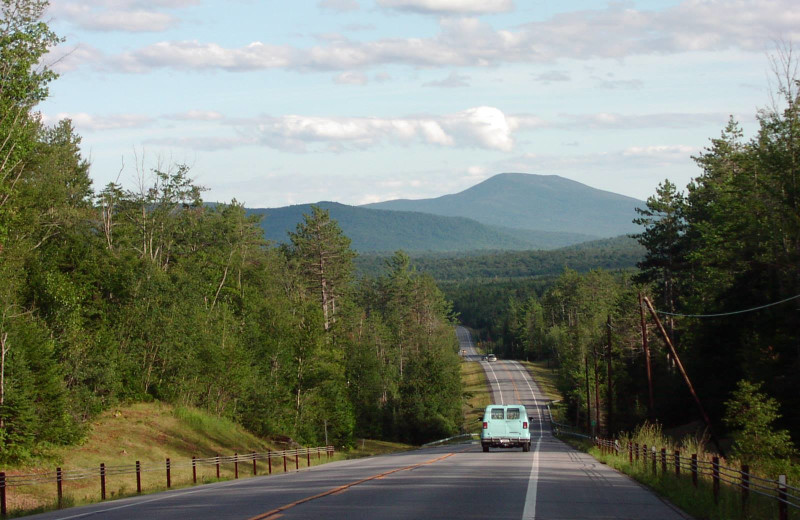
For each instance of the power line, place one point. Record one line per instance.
(728, 313)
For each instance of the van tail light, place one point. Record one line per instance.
(525, 426)
(485, 425)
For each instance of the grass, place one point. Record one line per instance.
(546, 378)
(149, 433)
(371, 447)
(697, 501)
(476, 393)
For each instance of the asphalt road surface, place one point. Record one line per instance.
(458, 481)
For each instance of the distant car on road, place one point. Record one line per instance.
(505, 426)
(484, 357)
(491, 357)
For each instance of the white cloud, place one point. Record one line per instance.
(615, 32)
(89, 123)
(552, 76)
(351, 78)
(196, 115)
(450, 6)
(480, 127)
(339, 5)
(123, 15)
(453, 80)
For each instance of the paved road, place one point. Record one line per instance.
(458, 481)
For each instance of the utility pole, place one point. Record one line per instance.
(596, 391)
(609, 391)
(650, 403)
(684, 374)
(588, 394)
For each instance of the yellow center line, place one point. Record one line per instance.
(274, 513)
(511, 377)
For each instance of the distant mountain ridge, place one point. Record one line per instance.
(533, 202)
(373, 230)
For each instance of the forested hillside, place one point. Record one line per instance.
(613, 253)
(373, 230)
(131, 295)
(722, 266)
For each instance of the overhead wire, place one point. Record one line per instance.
(717, 315)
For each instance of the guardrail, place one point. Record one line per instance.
(454, 437)
(102, 472)
(741, 479)
(562, 429)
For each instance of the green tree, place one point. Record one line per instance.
(325, 259)
(751, 415)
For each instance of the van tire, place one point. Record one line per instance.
(526, 447)
(485, 449)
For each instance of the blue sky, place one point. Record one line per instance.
(275, 103)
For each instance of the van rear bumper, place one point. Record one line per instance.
(505, 442)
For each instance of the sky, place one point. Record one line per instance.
(275, 102)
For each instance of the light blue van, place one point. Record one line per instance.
(505, 426)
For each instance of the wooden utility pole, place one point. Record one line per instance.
(609, 394)
(683, 373)
(588, 394)
(596, 391)
(651, 402)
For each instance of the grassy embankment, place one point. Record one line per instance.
(476, 391)
(698, 502)
(149, 433)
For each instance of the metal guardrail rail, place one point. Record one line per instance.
(454, 437)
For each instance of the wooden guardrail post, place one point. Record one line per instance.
(783, 509)
(318, 454)
(284, 461)
(269, 461)
(138, 477)
(59, 488)
(235, 465)
(630, 453)
(3, 510)
(296, 460)
(217, 463)
(715, 477)
(644, 455)
(694, 469)
(169, 477)
(102, 481)
(663, 461)
(745, 486)
(653, 459)
(194, 469)
(308, 457)
(255, 470)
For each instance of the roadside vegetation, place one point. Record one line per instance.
(476, 395)
(721, 265)
(127, 294)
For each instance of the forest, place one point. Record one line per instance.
(721, 266)
(121, 295)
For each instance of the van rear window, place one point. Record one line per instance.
(497, 413)
(513, 413)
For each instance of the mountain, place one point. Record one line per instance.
(535, 202)
(376, 230)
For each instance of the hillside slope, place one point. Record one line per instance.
(620, 252)
(373, 230)
(538, 202)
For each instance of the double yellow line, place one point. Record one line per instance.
(275, 513)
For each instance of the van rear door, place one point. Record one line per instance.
(514, 422)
